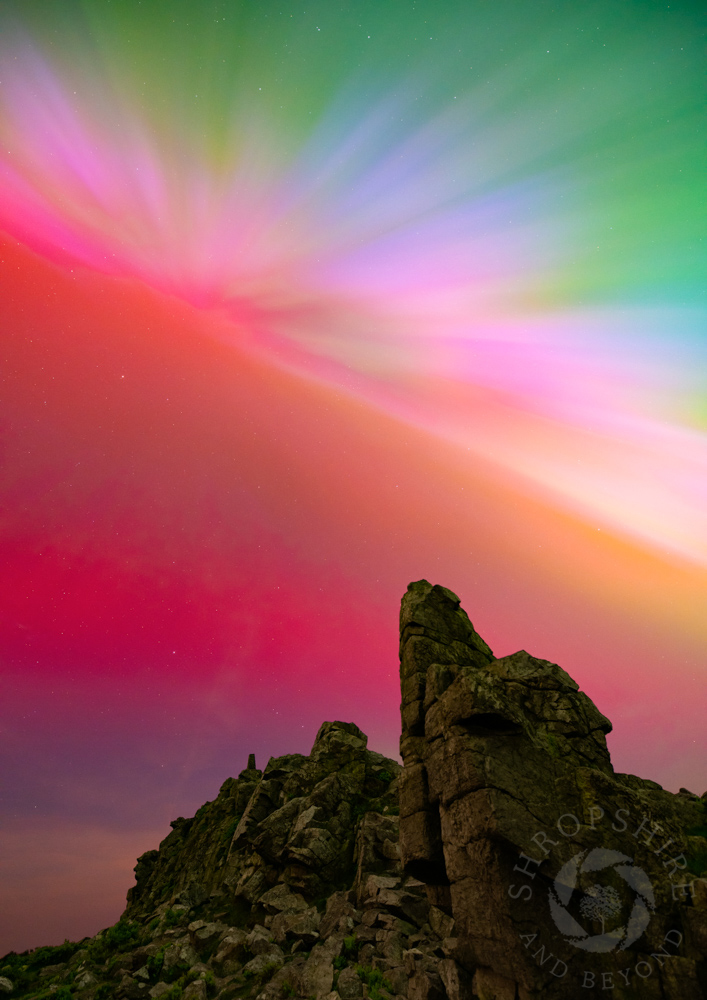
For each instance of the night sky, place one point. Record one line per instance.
(302, 302)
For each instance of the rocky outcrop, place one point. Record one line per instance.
(563, 879)
(288, 884)
(506, 861)
(291, 827)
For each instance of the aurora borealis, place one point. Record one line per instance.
(301, 303)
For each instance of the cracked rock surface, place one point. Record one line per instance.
(563, 878)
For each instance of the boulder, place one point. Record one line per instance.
(426, 986)
(54, 970)
(409, 906)
(396, 976)
(281, 899)
(232, 949)
(159, 990)
(124, 962)
(86, 979)
(457, 981)
(284, 982)
(304, 926)
(317, 976)
(441, 923)
(260, 941)
(349, 985)
(339, 915)
(265, 962)
(196, 990)
(193, 894)
(130, 989)
(203, 935)
(179, 955)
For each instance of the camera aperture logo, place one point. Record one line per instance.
(600, 899)
(600, 902)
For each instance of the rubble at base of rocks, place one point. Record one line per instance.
(342, 876)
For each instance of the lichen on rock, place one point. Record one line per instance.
(511, 813)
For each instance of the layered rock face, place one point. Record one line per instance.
(563, 878)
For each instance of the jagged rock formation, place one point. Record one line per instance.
(288, 884)
(563, 878)
(507, 861)
(295, 824)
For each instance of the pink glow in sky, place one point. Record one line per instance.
(258, 377)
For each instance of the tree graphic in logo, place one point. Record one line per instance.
(600, 902)
(597, 903)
